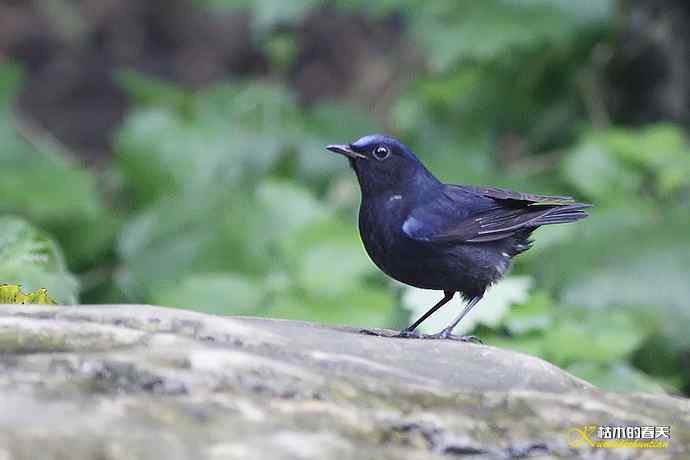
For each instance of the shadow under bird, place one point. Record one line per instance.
(431, 235)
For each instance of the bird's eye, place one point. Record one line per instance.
(381, 152)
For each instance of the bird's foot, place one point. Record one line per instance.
(446, 335)
(409, 334)
(467, 339)
(413, 334)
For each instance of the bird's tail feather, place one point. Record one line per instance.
(563, 214)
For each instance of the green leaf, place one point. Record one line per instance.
(30, 259)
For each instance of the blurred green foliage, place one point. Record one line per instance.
(223, 217)
(223, 200)
(41, 182)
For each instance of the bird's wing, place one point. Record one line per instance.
(507, 196)
(477, 215)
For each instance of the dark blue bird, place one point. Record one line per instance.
(431, 235)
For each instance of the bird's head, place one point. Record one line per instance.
(384, 164)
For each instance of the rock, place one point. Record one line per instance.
(142, 382)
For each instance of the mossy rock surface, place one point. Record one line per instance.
(142, 382)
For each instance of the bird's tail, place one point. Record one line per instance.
(562, 214)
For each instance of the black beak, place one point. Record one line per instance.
(344, 149)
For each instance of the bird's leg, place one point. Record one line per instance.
(447, 332)
(409, 332)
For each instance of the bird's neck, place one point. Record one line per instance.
(418, 183)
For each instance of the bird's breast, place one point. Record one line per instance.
(380, 227)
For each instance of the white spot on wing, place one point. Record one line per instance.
(505, 254)
(395, 197)
(411, 227)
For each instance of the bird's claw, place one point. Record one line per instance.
(408, 334)
(467, 339)
(413, 334)
(446, 335)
